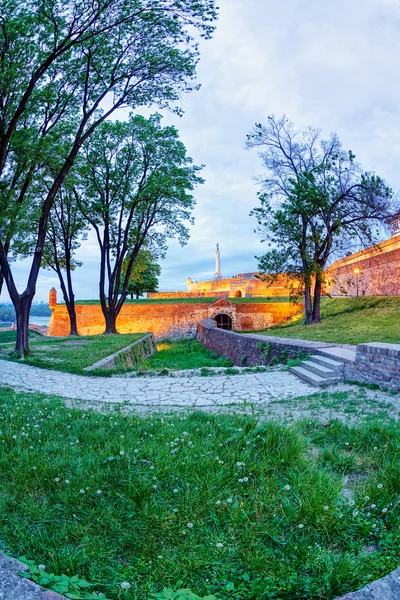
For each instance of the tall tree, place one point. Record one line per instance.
(135, 190)
(66, 229)
(316, 201)
(77, 63)
(144, 275)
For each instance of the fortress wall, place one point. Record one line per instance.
(169, 320)
(172, 295)
(246, 284)
(379, 272)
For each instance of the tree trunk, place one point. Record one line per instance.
(1, 280)
(316, 313)
(137, 295)
(22, 309)
(111, 319)
(307, 303)
(73, 328)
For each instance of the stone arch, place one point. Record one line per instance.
(237, 294)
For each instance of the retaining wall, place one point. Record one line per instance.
(130, 356)
(376, 363)
(251, 349)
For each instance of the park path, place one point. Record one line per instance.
(190, 391)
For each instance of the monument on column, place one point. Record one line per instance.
(218, 274)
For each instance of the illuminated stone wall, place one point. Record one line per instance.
(170, 319)
(242, 285)
(377, 270)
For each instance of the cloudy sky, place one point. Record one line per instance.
(331, 65)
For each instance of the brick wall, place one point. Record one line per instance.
(170, 319)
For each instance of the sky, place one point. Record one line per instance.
(329, 65)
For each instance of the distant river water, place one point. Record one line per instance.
(41, 321)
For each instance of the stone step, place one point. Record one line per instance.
(313, 378)
(329, 363)
(318, 369)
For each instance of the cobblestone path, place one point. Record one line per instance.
(258, 388)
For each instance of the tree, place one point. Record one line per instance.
(66, 229)
(144, 275)
(316, 202)
(76, 63)
(135, 190)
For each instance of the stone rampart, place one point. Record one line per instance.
(171, 319)
(376, 270)
(251, 349)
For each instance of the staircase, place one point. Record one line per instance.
(319, 370)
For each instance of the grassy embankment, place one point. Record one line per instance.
(224, 505)
(350, 321)
(71, 354)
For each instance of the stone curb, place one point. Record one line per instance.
(386, 588)
(108, 359)
(15, 587)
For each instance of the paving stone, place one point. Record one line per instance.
(15, 587)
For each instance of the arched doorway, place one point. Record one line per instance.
(223, 322)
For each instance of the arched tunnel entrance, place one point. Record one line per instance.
(223, 322)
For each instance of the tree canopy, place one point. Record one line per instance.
(144, 275)
(316, 201)
(135, 190)
(64, 69)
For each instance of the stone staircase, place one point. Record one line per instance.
(319, 370)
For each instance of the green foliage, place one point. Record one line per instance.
(183, 354)
(59, 64)
(74, 588)
(228, 505)
(136, 186)
(144, 275)
(316, 201)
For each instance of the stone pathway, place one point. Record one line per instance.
(191, 391)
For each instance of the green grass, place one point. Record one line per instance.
(74, 353)
(200, 300)
(350, 321)
(8, 337)
(183, 354)
(224, 505)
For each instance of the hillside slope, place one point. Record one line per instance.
(350, 321)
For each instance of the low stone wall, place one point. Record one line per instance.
(251, 349)
(376, 363)
(131, 356)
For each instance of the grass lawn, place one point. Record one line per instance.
(350, 321)
(224, 505)
(71, 354)
(183, 354)
(199, 300)
(9, 337)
